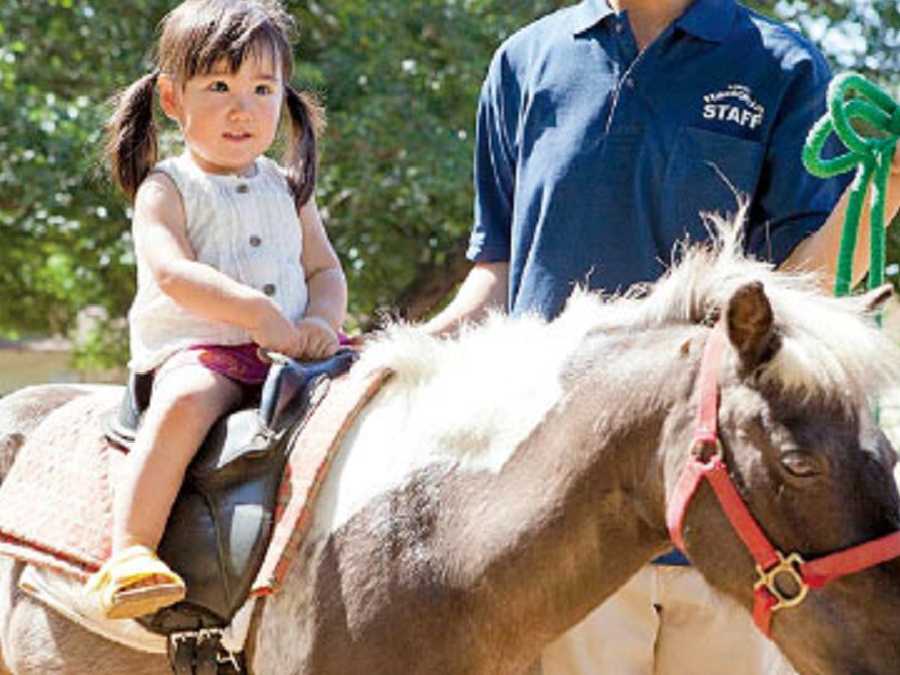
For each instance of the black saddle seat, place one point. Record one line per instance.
(221, 522)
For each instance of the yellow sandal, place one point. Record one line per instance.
(117, 584)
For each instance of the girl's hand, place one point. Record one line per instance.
(318, 339)
(272, 331)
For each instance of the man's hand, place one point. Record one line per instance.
(484, 288)
(317, 339)
(893, 188)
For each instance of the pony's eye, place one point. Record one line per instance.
(800, 464)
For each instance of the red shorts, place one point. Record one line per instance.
(241, 363)
(237, 362)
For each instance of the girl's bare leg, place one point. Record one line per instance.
(187, 399)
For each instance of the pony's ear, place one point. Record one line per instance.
(750, 324)
(874, 300)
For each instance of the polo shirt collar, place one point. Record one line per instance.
(588, 14)
(709, 20)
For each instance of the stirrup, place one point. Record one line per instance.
(201, 651)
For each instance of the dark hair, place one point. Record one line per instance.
(194, 37)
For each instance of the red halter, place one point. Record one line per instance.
(770, 562)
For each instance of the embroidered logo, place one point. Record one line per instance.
(734, 104)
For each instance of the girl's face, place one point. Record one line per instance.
(227, 119)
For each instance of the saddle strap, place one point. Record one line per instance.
(181, 657)
(206, 660)
(308, 464)
(201, 652)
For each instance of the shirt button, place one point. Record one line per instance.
(618, 26)
(269, 289)
(629, 83)
(243, 188)
(255, 240)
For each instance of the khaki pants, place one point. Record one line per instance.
(665, 621)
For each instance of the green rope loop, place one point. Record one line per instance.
(871, 156)
(894, 124)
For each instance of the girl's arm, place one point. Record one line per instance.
(324, 276)
(327, 286)
(160, 235)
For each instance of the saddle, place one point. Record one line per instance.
(222, 519)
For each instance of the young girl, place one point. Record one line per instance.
(231, 256)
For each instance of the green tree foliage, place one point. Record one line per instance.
(64, 233)
(400, 81)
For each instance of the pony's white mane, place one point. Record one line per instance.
(471, 400)
(830, 347)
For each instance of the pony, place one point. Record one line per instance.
(506, 481)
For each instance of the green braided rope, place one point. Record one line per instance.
(871, 156)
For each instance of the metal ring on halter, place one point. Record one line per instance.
(790, 566)
(700, 444)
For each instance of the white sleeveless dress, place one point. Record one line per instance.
(245, 227)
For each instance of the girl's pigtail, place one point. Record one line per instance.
(131, 135)
(300, 160)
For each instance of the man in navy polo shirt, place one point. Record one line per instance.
(603, 132)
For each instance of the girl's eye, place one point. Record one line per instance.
(263, 89)
(218, 85)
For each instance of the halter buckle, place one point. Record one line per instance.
(705, 451)
(789, 565)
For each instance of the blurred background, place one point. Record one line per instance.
(400, 80)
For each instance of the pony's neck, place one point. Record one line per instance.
(583, 496)
(483, 568)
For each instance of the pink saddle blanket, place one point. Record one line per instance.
(56, 501)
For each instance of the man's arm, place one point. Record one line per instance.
(485, 288)
(819, 252)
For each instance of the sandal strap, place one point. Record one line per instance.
(130, 566)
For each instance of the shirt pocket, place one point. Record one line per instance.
(706, 173)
